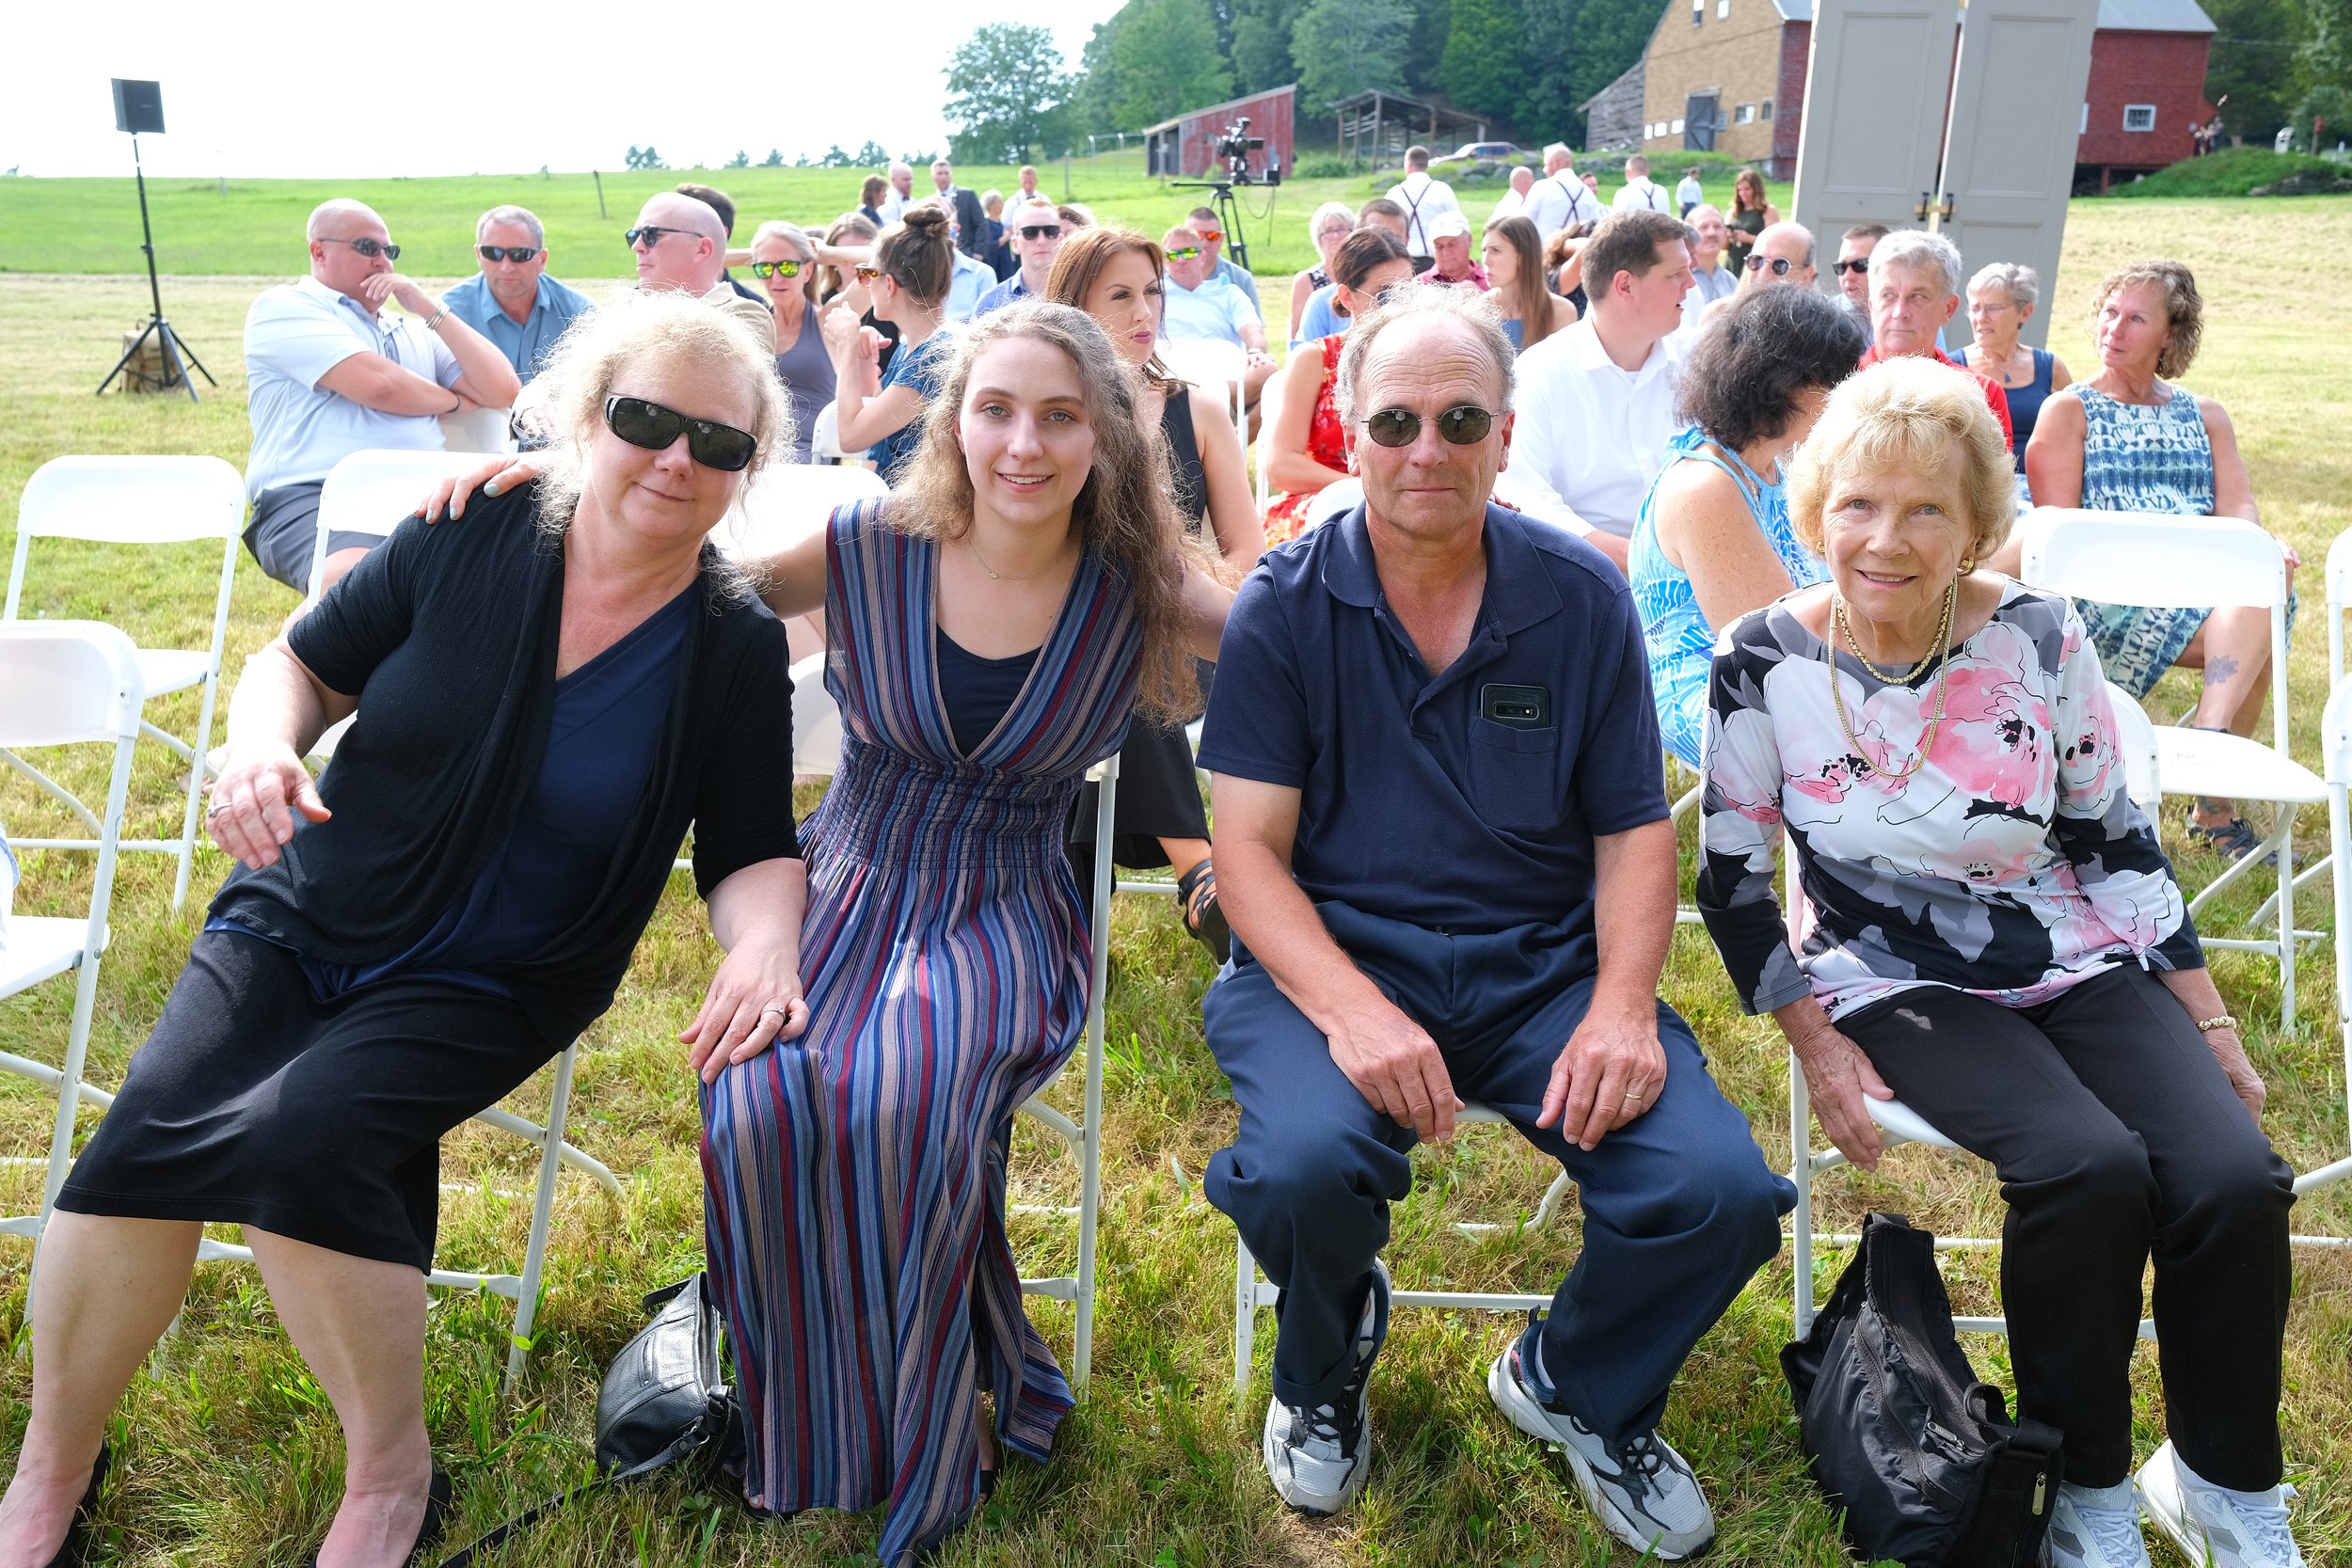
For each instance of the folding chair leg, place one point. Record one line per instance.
(1244, 1313)
(2286, 917)
(542, 1214)
(1801, 1218)
(1090, 1148)
(196, 788)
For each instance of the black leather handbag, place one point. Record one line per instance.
(1920, 1454)
(665, 1401)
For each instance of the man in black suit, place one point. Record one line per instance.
(971, 223)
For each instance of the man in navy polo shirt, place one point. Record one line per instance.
(1443, 848)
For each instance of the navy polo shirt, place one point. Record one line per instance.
(1465, 802)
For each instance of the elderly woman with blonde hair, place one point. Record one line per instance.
(549, 692)
(1332, 222)
(2001, 942)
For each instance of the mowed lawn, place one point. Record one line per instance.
(227, 1453)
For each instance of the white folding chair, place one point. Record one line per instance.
(1216, 365)
(64, 683)
(817, 749)
(1269, 413)
(479, 430)
(2335, 748)
(141, 500)
(2147, 559)
(824, 436)
(1252, 1292)
(2339, 599)
(1335, 499)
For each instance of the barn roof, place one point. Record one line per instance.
(1225, 107)
(2120, 16)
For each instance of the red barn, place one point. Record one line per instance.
(1729, 78)
(1186, 148)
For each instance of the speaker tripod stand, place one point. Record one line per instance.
(167, 341)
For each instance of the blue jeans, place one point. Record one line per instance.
(1680, 1206)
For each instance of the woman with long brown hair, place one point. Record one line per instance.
(1514, 259)
(1751, 215)
(1114, 275)
(877, 407)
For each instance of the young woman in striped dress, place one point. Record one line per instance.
(993, 624)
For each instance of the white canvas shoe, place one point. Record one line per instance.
(2083, 1535)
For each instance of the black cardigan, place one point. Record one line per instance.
(448, 636)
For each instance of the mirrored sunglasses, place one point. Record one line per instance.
(776, 269)
(1185, 253)
(1465, 426)
(370, 248)
(654, 428)
(1780, 265)
(1210, 236)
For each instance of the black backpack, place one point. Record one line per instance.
(1922, 1456)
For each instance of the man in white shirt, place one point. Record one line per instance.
(1560, 200)
(1423, 199)
(901, 191)
(1640, 189)
(1689, 194)
(1595, 409)
(327, 375)
(1199, 305)
(1514, 201)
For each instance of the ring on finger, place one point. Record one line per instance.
(776, 1007)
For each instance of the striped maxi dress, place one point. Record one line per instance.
(855, 1177)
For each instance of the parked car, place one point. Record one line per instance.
(1483, 156)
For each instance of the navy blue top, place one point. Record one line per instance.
(2025, 403)
(601, 743)
(1417, 802)
(976, 691)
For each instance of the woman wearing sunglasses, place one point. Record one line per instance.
(1114, 275)
(549, 693)
(784, 262)
(912, 269)
(1308, 448)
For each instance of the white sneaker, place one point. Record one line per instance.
(2213, 1527)
(1316, 1458)
(2084, 1536)
(1643, 1491)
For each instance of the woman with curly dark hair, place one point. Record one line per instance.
(1713, 540)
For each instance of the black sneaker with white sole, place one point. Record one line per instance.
(1316, 1456)
(1642, 1490)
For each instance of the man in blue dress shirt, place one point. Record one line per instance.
(1443, 847)
(513, 301)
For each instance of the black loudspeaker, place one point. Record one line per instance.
(138, 106)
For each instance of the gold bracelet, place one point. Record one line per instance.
(2207, 1025)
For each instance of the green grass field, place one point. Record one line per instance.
(228, 1455)
(255, 228)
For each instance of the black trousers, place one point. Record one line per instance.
(2116, 1139)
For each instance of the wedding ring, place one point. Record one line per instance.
(776, 1007)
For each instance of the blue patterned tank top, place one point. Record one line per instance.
(1680, 644)
(2142, 457)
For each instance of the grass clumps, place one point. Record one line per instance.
(2246, 171)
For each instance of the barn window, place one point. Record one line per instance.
(2139, 117)
(1675, 128)
(1764, 110)
(1723, 8)
(1698, 13)
(1746, 114)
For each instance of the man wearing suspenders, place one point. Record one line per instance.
(1560, 200)
(1424, 200)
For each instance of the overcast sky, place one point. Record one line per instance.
(348, 90)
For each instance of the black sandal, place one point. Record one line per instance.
(2233, 841)
(1195, 892)
(74, 1549)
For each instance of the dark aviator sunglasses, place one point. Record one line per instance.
(654, 428)
(507, 252)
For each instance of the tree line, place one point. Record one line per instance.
(1523, 65)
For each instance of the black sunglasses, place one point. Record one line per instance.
(651, 235)
(776, 269)
(507, 252)
(1863, 265)
(370, 248)
(1040, 230)
(1465, 426)
(1780, 265)
(654, 428)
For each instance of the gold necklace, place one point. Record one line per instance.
(972, 542)
(1943, 638)
(1942, 686)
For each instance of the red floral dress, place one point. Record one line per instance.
(1326, 443)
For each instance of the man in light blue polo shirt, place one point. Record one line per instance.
(1199, 306)
(513, 301)
(327, 375)
(1222, 267)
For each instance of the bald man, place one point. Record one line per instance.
(330, 373)
(681, 244)
(1513, 201)
(1783, 253)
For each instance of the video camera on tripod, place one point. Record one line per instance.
(1233, 150)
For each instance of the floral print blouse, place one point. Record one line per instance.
(2011, 865)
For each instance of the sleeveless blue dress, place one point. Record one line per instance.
(2139, 457)
(1681, 645)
